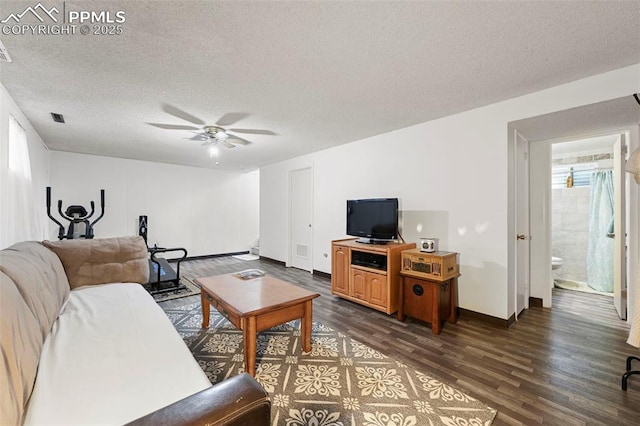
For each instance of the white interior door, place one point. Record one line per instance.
(619, 241)
(522, 223)
(300, 218)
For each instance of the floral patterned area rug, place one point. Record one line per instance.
(341, 382)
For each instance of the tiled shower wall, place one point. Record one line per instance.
(570, 231)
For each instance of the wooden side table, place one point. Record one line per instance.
(428, 300)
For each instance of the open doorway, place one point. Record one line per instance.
(583, 237)
(616, 116)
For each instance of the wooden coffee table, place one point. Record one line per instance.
(255, 305)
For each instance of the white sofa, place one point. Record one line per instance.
(84, 344)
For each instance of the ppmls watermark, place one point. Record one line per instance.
(40, 20)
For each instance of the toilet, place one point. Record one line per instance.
(556, 262)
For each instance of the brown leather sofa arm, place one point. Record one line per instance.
(237, 401)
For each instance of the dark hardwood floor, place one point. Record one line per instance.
(553, 366)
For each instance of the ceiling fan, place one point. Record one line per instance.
(217, 134)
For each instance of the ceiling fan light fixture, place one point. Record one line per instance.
(213, 151)
(221, 136)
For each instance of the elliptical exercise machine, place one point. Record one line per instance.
(79, 225)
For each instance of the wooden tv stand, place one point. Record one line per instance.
(368, 274)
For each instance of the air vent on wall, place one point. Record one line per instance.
(4, 55)
(58, 118)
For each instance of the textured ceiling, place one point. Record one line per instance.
(317, 74)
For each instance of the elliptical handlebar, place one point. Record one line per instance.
(93, 209)
(60, 227)
(101, 208)
(64, 216)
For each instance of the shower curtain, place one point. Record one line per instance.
(600, 246)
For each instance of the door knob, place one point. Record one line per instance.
(521, 237)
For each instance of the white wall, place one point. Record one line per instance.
(457, 164)
(570, 211)
(203, 210)
(39, 156)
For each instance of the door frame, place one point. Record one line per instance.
(541, 278)
(541, 231)
(290, 244)
(620, 262)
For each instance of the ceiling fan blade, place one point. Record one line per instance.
(231, 118)
(177, 112)
(228, 144)
(254, 131)
(238, 140)
(173, 126)
(207, 142)
(198, 138)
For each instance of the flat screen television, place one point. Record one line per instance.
(374, 220)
